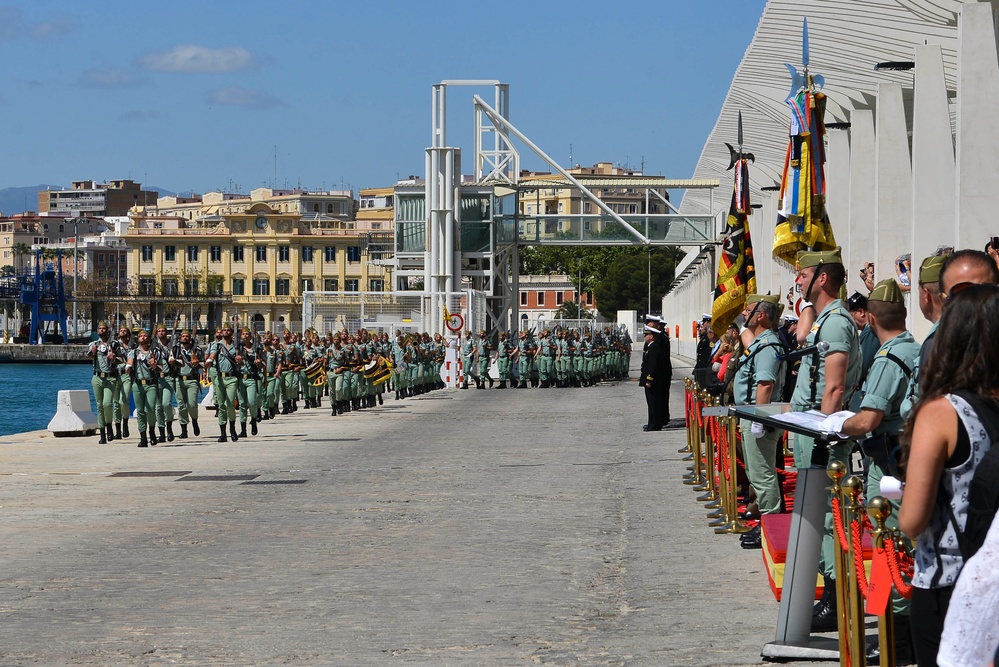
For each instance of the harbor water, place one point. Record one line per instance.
(28, 393)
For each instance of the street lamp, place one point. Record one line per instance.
(76, 245)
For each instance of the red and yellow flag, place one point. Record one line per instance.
(736, 269)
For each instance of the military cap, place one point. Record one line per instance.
(159, 325)
(810, 258)
(888, 291)
(184, 332)
(705, 317)
(651, 330)
(857, 301)
(929, 270)
(767, 298)
(103, 323)
(502, 334)
(246, 330)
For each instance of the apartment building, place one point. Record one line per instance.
(93, 199)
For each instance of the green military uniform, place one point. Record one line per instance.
(121, 408)
(884, 390)
(190, 360)
(929, 272)
(546, 361)
(226, 385)
(145, 365)
(105, 354)
(482, 353)
(835, 326)
(761, 363)
(247, 373)
(467, 359)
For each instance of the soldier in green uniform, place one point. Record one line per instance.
(546, 359)
(189, 357)
(857, 305)
(105, 353)
(826, 382)
(467, 359)
(248, 366)
(164, 342)
(271, 378)
(226, 386)
(121, 409)
(525, 355)
(758, 381)
(503, 359)
(880, 414)
(483, 353)
(144, 367)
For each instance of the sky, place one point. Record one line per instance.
(211, 95)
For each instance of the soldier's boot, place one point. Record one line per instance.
(242, 429)
(117, 431)
(464, 384)
(294, 405)
(104, 439)
(333, 411)
(308, 403)
(355, 403)
(381, 402)
(152, 436)
(285, 407)
(162, 437)
(502, 384)
(183, 432)
(490, 378)
(232, 431)
(194, 425)
(222, 437)
(142, 439)
(169, 430)
(110, 433)
(317, 402)
(124, 427)
(253, 426)
(522, 385)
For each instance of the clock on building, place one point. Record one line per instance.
(261, 222)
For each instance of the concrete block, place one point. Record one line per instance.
(73, 414)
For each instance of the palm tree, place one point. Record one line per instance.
(20, 250)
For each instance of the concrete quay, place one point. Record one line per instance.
(515, 527)
(43, 354)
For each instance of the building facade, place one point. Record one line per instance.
(92, 199)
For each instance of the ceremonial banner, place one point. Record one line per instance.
(736, 269)
(316, 374)
(380, 373)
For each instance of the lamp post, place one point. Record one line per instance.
(76, 258)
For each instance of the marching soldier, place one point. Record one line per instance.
(188, 357)
(144, 367)
(223, 359)
(164, 342)
(483, 353)
(467, 358)
(105, 353)
(124, 387)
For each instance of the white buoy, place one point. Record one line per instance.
(73, 414)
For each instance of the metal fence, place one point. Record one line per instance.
(391, 311)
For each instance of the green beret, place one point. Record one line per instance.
(767, 298)
(929, 270)
(809, 258)
(246, 330)
(103, 323)
(887, 291)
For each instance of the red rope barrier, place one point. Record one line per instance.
(838, 525)
(858, 557)
(895, 564)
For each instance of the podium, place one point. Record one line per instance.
(794, 640)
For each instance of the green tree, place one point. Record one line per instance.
(570, 310)
(20, 250)
(625, 284)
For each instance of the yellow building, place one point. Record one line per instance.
(265, 257)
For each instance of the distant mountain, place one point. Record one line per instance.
(19, 200)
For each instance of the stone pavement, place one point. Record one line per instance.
(511, 527)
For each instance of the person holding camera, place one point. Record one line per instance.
(903, 265)
(867, 276)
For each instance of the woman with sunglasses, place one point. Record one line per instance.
(944, 441)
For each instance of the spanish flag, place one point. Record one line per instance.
(736, 269)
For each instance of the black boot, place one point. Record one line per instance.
(490, 378)
(308, 402)
(222, 437)
(152, 436)
(232, 431)
(285, 407)
(253, 427)
(502, 384)
(117, 431)
(242, 429)
(110, 433)
(381, 402)
(142, 439)
(104, 439)
(522, 385)
(194, 425)
(169, 430)
(124, 427)
(824, 616)
(183, 432)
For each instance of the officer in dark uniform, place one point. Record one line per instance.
(657, 372)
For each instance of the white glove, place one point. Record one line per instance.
(758, 430)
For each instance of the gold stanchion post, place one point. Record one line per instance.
(836, 471)
(879, 509)
(853, 486)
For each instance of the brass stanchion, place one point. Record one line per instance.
(854, 611)
(688, 395)
(836, 471)
(708, 486)
(879, 509)
(695, 476)
(735, 524)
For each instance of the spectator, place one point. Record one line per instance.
(944, 441)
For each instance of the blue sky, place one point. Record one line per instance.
(201, 95)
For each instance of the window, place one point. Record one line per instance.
(587, 207)
(170, 253)
(353, 253)
(147, 253)
(559, 297)
(376, 285)
(350, 285)
(541, 298)
(170, 287)
(282, 287)
(147, 286)
(329, 253)
(216, 253)
(306, 253)
(329, 208)
(190, 286)
(238, 287)
(100, 259)
(523, 298)
(315, 208)
(331, 285)
(284, 253)
(237, 253)
(530, 209)
(192, 253)
(260, 253)
(308, 284)
(589, 298)
(261, 286)
(632, 208)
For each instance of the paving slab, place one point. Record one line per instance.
(478, 527)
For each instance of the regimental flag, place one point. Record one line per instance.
(802, 220)
(736, 269)
(380, 373)
(316, 374)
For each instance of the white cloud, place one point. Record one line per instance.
(243, 97)
(197, 58)
(109, 78)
